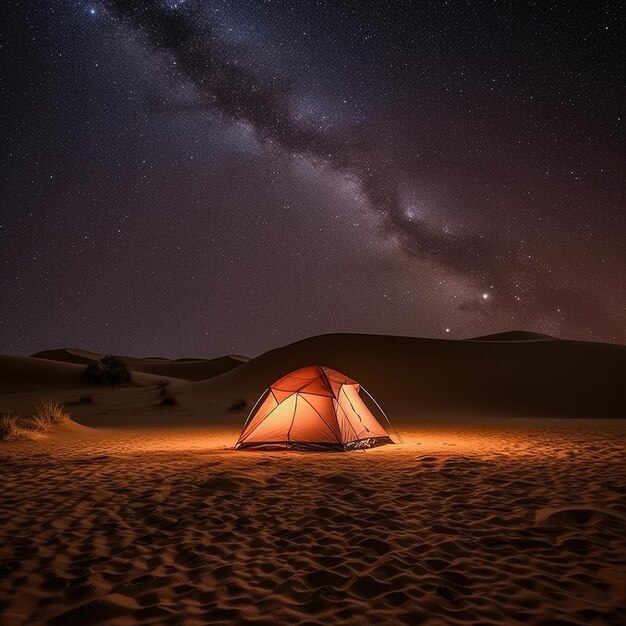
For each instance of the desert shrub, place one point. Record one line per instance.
(49, 413)
(169, 399)
(115, 370)
(92, 373)
(12, 427)
(110, 370)
(239, 405)
(163, 387)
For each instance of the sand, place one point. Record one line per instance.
(514, 521)
(140, 513)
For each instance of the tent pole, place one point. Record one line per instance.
(261, 397)
(396, 433)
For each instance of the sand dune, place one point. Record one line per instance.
(474, 523)
(413, 379)
(20, 374)
(69, 355)
(425, 377)
(514, 335)
(186, 369)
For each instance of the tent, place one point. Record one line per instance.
(313, 408)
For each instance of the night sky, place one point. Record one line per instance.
(200, 178)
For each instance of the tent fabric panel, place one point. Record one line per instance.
(361, 418)
(336, 380)
(318, 387)
(337, 377)
(373, 425)
(348, 432)
(315, 420)
(268, 405)
(303, 375)
(290, 385)
(274, 426)
(336, 386)
(294, 381)
(279, 394)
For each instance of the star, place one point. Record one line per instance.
(264, 166)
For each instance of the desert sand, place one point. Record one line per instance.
(138, 513)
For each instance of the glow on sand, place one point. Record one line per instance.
(487, 438)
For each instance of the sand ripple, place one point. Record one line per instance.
(103, 532)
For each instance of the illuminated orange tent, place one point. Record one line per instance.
(313, 408)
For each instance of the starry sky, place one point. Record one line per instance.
(206, 177)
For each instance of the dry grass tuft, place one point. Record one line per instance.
(12, 427)
(48, 413)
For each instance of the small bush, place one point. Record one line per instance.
(239, 405)
(163, 387)
(169, 399)
(110, 370)
(115, 369)
(92, 373)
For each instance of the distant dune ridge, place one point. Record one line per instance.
(22, 373)
(508, 374)
(186, 369)
(515, 335)
(18, 373)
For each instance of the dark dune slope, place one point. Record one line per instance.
(430, 377)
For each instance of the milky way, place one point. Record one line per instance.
(443, 155)
(240, 94)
